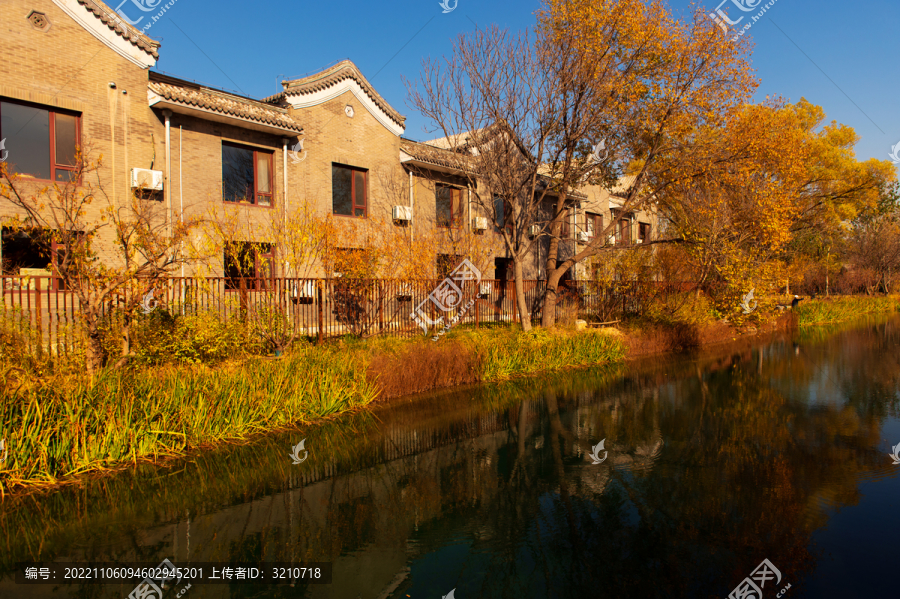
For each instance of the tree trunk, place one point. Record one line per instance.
(524, 311)
(93, 351)
(126, 335)
(551, 293)
(551, 296)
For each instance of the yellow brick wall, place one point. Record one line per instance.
(67, 67)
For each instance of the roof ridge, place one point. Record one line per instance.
(344, 69)
(112, 20)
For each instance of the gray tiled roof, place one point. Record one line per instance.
(329, 77)
(112, 20)
(192, 94)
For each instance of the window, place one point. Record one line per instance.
(252, 262)
(33, 252)
(348, 191)
(448, 206)
(246, 175)
(564, 231)
(622, 228)
(503, 214)
(503, 268)
(357, 263)
(446, 263)
(643, 232)
(41, 142)
(593, 223)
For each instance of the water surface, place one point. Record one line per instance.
(710, 465)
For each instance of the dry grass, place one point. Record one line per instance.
(422, 367)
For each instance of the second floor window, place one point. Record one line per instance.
(593, 224)
(643, 232)
(246, 175)
(564, 230)
(348, 191)
(623, 228)
(41, 142)
(448, 206)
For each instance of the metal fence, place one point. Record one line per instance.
(314, 308)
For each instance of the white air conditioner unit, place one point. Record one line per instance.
(480, 223)
(144, 178)
(401, 213)
(583, 237)
(534, 230)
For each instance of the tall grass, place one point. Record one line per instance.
(840, 309)
(122, 416)
(57, 428)
(504, 354)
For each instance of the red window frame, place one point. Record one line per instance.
(257, 194)
(643, 232)
(54, 166)
(353, 205)
(596, 224)
(507, 211)
(255, 281)
(456, 206)
(623, 227)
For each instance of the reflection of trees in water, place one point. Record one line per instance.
(709, 472)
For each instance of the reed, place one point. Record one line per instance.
(840, 309)
(504, 354)
(59, 430)
(65, 426)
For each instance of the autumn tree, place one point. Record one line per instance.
(490, 101)
(108, 252)
(630, 73)
(777, 181)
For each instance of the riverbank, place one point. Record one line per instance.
(59, 429)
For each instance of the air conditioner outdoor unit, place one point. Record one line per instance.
(401, 213)
(534, 230)
(583, 237)
(480, 223)
(144, 178)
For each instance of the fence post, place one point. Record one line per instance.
(477, 309)
(380, 306)
(39, 315)
(320, 315)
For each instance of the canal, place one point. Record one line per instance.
(760, 464)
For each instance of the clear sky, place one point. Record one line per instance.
(841, 55)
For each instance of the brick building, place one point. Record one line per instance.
(72, 72)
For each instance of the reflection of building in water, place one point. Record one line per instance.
(370, 512)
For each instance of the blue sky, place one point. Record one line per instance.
(840, 55)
